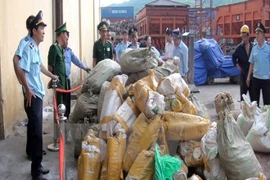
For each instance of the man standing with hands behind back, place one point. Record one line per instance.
(240, 59)
(30, 66)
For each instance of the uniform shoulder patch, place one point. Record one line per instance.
(31, 45)
(26, 39)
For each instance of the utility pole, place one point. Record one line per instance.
(201, 20)
(211, 11)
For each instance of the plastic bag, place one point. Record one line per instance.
(236, 155)
(165, 166)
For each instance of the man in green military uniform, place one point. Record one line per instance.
(56, 61)
(102, 48)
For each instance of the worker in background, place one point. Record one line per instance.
(111, 39)
(133, 35)
(102, 48)
(70, 57)
(30, 66)
(259, 68)
(122, 46)
(148, 42)
(240, 59)
(56, 63)
(22, 44)
(169, 46)
(181, 51)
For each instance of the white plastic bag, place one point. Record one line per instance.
(112, 100)
(209, 144)
(216, 172)
(259, 134)
(249, 111)
(173, 84)
(102, 93)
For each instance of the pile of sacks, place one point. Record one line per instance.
(227, 152)
(254, 123)
(138, 119)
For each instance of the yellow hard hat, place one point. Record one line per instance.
(244, 29)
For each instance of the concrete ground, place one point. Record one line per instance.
(15, 166)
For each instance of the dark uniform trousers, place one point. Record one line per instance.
(34, 134)
(243, 86)
(257, 86)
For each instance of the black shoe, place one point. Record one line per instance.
(44, 171)
(44, 152)
(40, 177)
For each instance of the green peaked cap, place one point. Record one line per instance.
(62, 28)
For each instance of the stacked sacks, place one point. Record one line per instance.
(112, 166)
(146, 98)
(144, 132)
(259, 134)
(249, 112)
(140, 120)
(209, 146)
(92, 155)
(112, 101)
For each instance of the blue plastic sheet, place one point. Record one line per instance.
(209, 61)
(211, 53)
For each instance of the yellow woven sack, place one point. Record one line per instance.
(143, 168)
(182, 126)
(144, 133)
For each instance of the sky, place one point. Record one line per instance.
(108, 2)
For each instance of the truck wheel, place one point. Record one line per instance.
(210, 80)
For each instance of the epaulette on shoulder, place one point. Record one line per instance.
(31, 45)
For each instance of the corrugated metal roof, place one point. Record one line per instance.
(166, 3)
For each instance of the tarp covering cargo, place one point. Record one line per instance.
(211, 53)
(103, 71)
(200, 71)
(179, 125)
